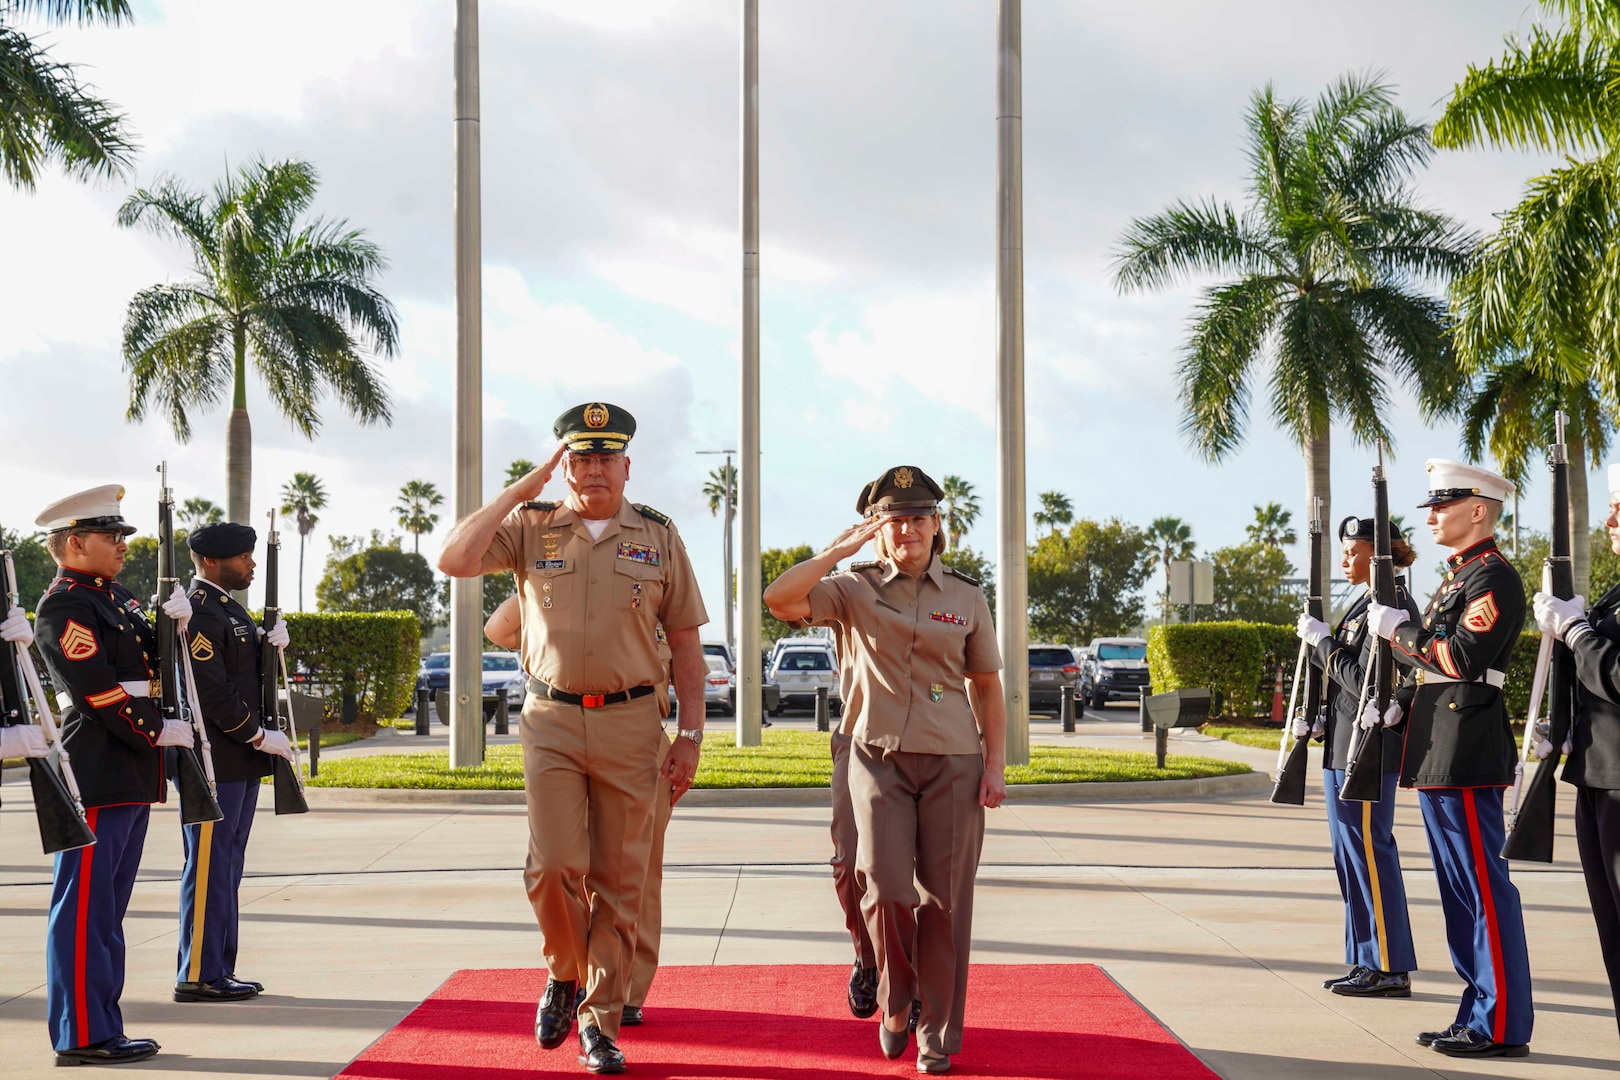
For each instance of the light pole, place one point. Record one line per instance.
(749, 675)
(728, 480)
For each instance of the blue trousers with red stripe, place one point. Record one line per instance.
(1484, 922)
(84, 940)
(209, 883)
(1377, 927)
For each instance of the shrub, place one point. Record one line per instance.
(1521, 672)
(372, 655)
(1224, 656)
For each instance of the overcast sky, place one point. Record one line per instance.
(610, 163)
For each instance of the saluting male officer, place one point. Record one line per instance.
(226, 654)
(1460, 754)
(596, 575)
(1593, 764)
(100, 650)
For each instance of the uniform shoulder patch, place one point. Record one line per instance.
(201, 648)
(651, 514)
(77, 642)
(1481, 613)
(539, 504)
(873, 565)
(951, 570)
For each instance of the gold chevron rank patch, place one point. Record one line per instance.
(201, 648)
(77, 642)
(1481, 614)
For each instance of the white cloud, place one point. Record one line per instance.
(941, 347)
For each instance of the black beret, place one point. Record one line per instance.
(225, 540)
(595, 428)
(900, 489)
(1354, 528)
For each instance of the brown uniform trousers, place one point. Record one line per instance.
(650, 927)
(846, 881)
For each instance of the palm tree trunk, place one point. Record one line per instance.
(1580, 524)
(239, 448)
(300, 572)
(1319, 486)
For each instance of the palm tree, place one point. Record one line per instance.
(721, 482)
(1172, 539)
(1536, 314)
(1325, 262)
(1271, 526)
(300, 498)
(961, 509)
(416, 498)
(45, 112)
(516, 471)
(1056, 510)
(296, 299)
(196, 512)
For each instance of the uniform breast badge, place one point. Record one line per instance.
(545, 595)
(645, 554)
(936, 691)
(948, 617)
(635, 596)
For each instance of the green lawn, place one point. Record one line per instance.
(787, 759)
(331, 738)
(1265, 738)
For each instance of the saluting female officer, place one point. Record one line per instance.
(1377, 928)
(929, 747)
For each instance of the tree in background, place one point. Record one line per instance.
(300, 498)
(139, 574)
(46, 114)
(1249, 584)
(416, 501)
(715, 488)
(1323, 268)
(516, 471)
(197, 512)
(378, 576)
(297, 300)
(35, 567)
(975, 566)
(1272, 526)
(1172, 540)
(960, 509)
(1087, 582)
(1056, 510)
(773, 562)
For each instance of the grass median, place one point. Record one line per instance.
(1266, 738)
(788, 759)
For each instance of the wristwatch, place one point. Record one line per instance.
(693, 734)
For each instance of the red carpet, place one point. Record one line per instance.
(786, 1022)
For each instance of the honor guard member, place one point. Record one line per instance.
(596, 575)
(928, 749)
(1377, 927)
(1593, 751)
(100, 649)
(226, 656)
(1460, 753)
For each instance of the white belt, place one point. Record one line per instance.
(1492, 676)
(137, 689)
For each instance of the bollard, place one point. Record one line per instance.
(1161, 743)
(1141, 708)
(821, 709)
(314, 734)
(1066, 708)
(500, 711)
(424, 702)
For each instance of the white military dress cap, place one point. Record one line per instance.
(1452, 480)
(98, 509)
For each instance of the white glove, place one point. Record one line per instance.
(178, 608)
(1312, 630)
(1319, 728)
(1543, 748)
(1301, 727)
(177, 733)
(1369, 714)
(23, 740)
(277, 637)
(1557, 617)
(1382, 620)
(274, 742)
(16, 628)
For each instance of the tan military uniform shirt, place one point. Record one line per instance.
(906, 645)
(591, 608)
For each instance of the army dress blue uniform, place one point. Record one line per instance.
(1377, 926)
(226, 653)
(1459, 753)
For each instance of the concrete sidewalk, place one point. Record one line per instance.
(1220, 916)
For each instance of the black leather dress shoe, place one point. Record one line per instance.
(1372, 983)
(863, 982)
(218, 990)
(1426, 1038)
(258, 987)
(114, 1051)
(598, 1053)
(1470, 1043)
(933, 1064)
(631, 1017)
(554, 1019)
(1328, 984)
(916, 1014)
(893, 1043)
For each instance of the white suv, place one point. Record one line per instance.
(799, 668)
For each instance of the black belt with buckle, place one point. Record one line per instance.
(589, 701)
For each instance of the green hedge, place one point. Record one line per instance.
(1521, 671)
(1236, 660)
(373, 655)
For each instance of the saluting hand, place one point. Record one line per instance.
(852, 539)
(531, 483)
(681, 765)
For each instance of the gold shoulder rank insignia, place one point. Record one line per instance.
(539, 504)
(77, 642)
(652, 515)
(201, 648)
(874, 564)
(951, 570)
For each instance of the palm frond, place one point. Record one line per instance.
(1228, 334)
(1323, 367)
(47, 115)
(1272, 149)
(1186, 239)
(83, 12)
(170, 209)
(1408, 332)
(189, 365)
(1556, 92)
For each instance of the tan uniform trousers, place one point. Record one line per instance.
(846, 882)
(650, 926)
(590, 778)
(921, 829)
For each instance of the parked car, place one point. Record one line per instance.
(717, 685)
(502, 671)
(723, 651)
(806, 642)
(1116, 670)
(801, 668)
(1051, 668)
(434, 672)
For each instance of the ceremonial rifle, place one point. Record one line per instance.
(1292, 762)
(57, 804)
(288, 781)
(1530, 814)
(1364, 771)
(193, 766)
